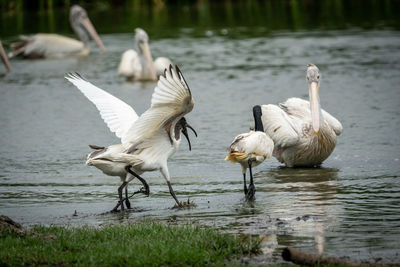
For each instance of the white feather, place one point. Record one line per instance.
(279, 126)
(171, 99)
(161, 63)
(290, 127)
(118, 115)
(253, 142)
(130, 64)
(300, 108)
(135, 65)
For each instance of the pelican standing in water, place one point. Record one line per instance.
(139, 65)
(147, 141)
(303, 133)
(43, 45)
(4, 58)
(250, 149)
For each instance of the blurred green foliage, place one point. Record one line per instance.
(162, 18)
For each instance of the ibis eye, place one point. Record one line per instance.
(318, 77)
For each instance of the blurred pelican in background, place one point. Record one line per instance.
(139, 64)
(303, 133)
(43, 45)
(250, 149)
(147, 141)
(4, 58)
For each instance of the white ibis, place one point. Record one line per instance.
(147, 141)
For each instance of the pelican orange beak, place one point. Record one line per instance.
(314, 106)
(92, 31)
(4, 58)
(144, 46)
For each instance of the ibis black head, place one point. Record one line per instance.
(182, 122)
(257, 113)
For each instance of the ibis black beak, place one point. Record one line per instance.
(191, 128)
(185, 133)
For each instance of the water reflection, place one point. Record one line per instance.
(308, 197)
(321, 180)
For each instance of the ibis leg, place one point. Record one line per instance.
(146, 186)
(244, 183)
(171, 191)
(252, 189)
(127, 202)
(120, 202)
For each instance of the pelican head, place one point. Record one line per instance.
(141, 36)
(183, 125)
(82, 25)
(313, 80)
(142, 46)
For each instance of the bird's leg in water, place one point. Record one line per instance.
(146, 186)
(244, 183)
(120, 202)
(171, 191)
(127, 202)
(252, 189)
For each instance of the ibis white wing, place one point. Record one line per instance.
(171, 100)
(118, 115)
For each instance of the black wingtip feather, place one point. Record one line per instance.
(179, 73)
(178, 70)
(75, 75)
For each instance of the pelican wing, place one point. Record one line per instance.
(297, 107)
(333, 122)
(161, 63)
(129, 65)
(171, 100)
(46, 45)
(118, 115)
(279, 126)
(301, 108)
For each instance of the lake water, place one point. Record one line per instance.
(349, 207)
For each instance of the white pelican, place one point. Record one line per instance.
(303, 133)
(147, 141)
(43, 45)
(139, 65)
(250, 149)
(4, 58)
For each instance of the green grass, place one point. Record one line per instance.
(145, 243)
